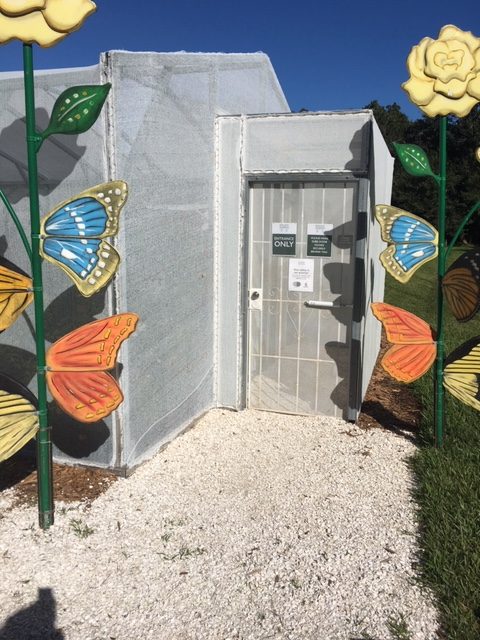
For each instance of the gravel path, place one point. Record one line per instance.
(251, 525)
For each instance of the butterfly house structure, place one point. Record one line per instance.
(247, 246)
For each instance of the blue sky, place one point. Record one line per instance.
(327, 54)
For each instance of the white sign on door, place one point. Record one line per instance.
(319, 229)
(300, 274)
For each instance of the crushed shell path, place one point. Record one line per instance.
(251, 525)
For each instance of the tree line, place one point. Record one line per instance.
(419, 195)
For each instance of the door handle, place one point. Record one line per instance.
(325, 304)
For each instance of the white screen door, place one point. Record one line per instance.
(301, 239)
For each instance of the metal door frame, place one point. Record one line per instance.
(354, 393)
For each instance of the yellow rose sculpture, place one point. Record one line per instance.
(45, 22)
(445, 73)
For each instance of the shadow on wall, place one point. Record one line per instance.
(56, 159)
(360, 148)
(58, 323)
(349, 307)
(75, 439)
(36, 622)
(69, 310)
(21, 364)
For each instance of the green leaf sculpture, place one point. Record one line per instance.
(414, 160)
(76, 109)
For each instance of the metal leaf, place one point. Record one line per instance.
(414, 160)
(77, 109)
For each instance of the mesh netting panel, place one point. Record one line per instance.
(158, 131)
(67, 165)
(162, 143)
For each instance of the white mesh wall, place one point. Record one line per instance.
(67, 165)
(162, 142)
(157, 133)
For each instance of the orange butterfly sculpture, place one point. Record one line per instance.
(78, 363)
(414, 351)
(414, 348)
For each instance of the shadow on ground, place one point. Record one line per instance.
(36, 622)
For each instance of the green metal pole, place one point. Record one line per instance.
(458, 233)
(439, 392)
(17, 223)
(44, 445)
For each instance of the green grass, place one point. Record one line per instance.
(80, 528)
(398, 628)
(448, 480)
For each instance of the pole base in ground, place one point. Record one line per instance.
(45, 519)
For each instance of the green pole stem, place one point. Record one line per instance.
(439, 391)
(44, 445)
(473, 210)
(18, 224)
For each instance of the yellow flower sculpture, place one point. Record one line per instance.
(445, 73)
(45, 22)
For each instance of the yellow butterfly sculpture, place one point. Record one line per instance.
(462, 373)
(15, 294)
(18, 417)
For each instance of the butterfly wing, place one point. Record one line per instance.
(462, 373)
(461, 286)
(402, 260)
(77, 367)
(88, 396)
(93, 213)
(412, 241)
(402, 327)
(91, 264)
(407, 362)
(414, 348)
(72, 235)
(399, 226)
(15, 295)
(92, 347)
(18, 417)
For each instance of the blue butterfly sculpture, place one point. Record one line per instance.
(411, 240)
(72, 235)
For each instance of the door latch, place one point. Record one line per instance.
(255, 299)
